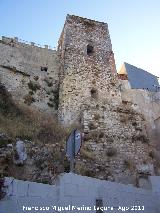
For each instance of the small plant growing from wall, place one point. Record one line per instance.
(7, 105)
(36, 78)
(113, 81)
(34, 86)
(91, 126)
(87, 154)
(109, 139)
(90, 173)
(54, 101)
(28, 99)
(129, 164)
(50, 104)
(2, 194)
(66, 165)
(124, 102)
(31, 92)
(101, 134)
(141, 138)
(152, 154)
(94, 81)
(145, 139)
(111, 152)
(4, 141)
(48, 82)
(96, 116)
(51, 99)
(56, 98)
(134, 123)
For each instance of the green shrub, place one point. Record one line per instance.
(32, 125)
(4, 141)
(91, 126)
(50, 104)
(151, 154)
(34, 86)
(96, 116)
(31, 92)
(49, 82)
(7, 106)
(2, 194)
(36, 78)
(28, 99)
(142, 138)
(89, 173)
(111, 152)
(129, 164)
(87, 154)
(56, 98)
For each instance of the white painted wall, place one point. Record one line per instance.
(75, 190)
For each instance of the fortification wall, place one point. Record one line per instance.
(147, 103)
(143, 98)
(30, 73)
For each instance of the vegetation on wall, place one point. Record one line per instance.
(33, 86)
(20, 121)
(28, 99)
(1, 188)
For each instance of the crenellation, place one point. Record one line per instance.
(16, 40)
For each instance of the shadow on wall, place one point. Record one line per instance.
(157, 131)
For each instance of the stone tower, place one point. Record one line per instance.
(115, 139)
(88, 73)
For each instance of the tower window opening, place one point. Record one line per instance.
(90, 49)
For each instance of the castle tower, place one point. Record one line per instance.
(88, 73)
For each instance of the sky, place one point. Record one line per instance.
(134, 25)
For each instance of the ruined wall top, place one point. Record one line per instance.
(88, 22)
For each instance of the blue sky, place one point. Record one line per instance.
(134, 25)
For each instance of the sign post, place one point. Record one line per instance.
(73, 146)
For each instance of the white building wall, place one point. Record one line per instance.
(73, 191)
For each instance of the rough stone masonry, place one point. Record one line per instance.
(79, 83)
(30, 73)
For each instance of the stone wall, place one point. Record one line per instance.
(141, 98)
(146, 103)
(115, 137)
(29, 73)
